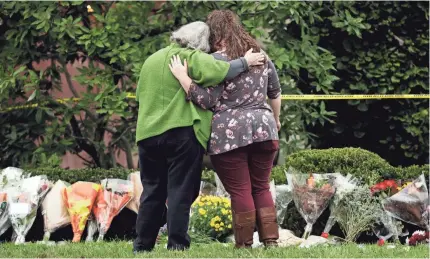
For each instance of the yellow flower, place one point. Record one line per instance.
(216, 225)
(222, 224)
(201, 204)
(202, 211)
(208, 203)
(229, 226)
(221, 229)
(229, 217)
(217, 218)
(212, 224)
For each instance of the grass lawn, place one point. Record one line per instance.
(215, 250)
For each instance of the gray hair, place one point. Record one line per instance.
(194, 35)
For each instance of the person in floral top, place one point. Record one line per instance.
(244, 138)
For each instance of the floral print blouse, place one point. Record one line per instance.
(241, 113)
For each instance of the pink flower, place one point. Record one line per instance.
(229, 133)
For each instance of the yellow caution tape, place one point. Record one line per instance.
(343, 96)
(354, 96)
(283, 97)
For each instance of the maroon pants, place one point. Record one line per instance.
(245, 174)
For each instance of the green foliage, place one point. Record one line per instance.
(317, 47)
(278, 175)
(357, 212)
(360, 163)
(412, 172)
(380, 48)
(85, 174)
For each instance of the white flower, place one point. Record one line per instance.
(265, 119)
(232, 123)
(227, 146)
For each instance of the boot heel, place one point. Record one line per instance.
(243, 228)
(268, 230)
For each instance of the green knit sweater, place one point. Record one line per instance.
(162, 104)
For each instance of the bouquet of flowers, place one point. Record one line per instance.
(311, 196)
(418, 237)
(357, 212)
(343, 185)
(283, 199)
(54, 210)
(9, 177)
(384, 189)
(212, 217)
(4, 220)
(79, 199)
(23, 202)
(91, 227)
(386, 226)
(411, 204)
(115, 195)
(137, 192)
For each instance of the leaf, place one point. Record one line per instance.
(19, 70)
(39, 116)
(362, 107)
(32, 96)
(359, 134)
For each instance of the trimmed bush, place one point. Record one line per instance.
(363, 164)
(84, 174)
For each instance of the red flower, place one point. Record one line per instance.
(390, 183)
(381, 242)
(324, 235)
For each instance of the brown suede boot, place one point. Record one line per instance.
(243, 228)
(268, 231)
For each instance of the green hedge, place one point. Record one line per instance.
(361, 163)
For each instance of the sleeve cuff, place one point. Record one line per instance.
(192, 87)
(245, 64)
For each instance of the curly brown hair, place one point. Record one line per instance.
(225, 26)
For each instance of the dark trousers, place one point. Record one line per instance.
(170, 168)
(245, 174)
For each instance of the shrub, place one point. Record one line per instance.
(360, 163)
(278, 174)
(84, 174)
(412, 172)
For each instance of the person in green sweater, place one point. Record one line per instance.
(172, 134)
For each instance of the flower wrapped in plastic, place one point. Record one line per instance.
(91, 227)
(311, 194)
(137, 192)
(283, 198)
(113, 197)
(54, 210)
(220, 190)
(80, 198)
(24, 200)
(387, 227)
(11, 176)
(411, 204)
(207, 188)
(212, 217)
(343, 185)
(4, 219)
